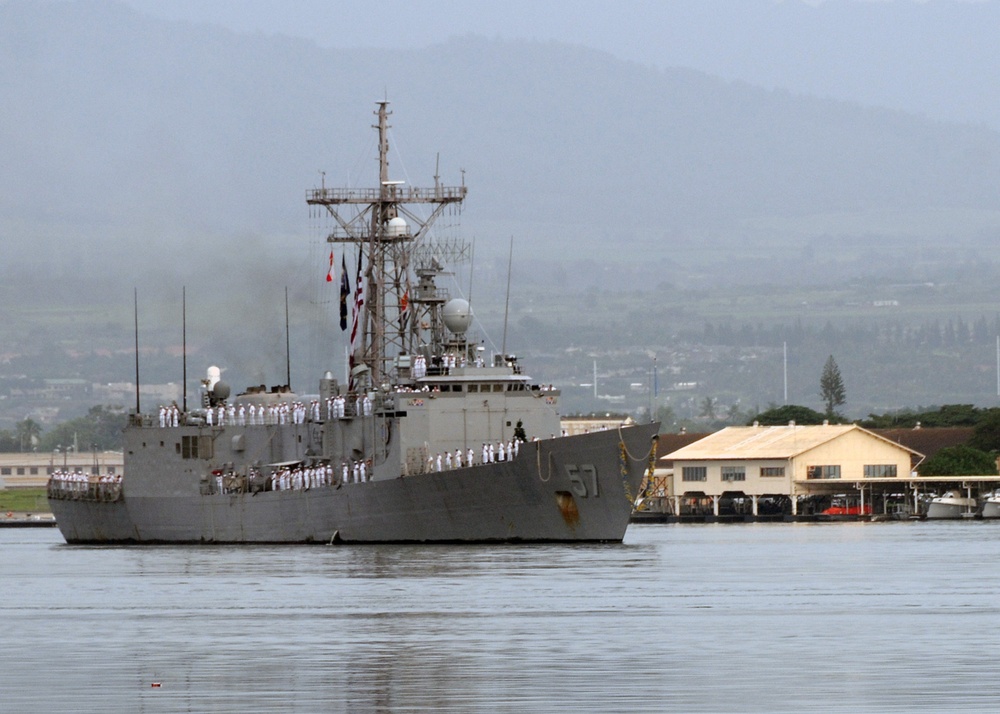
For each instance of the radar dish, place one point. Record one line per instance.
(457, 314)
(396, 227)
(220, 391)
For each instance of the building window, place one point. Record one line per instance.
(823, 472)
(880, 470)
(778, 471)
(694, 473)
(734, 473)
(5, 471)
(20, 471)
(473, 388)
(33, 470)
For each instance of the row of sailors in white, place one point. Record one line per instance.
(79, 481)
(301, 478)
(169, 416)
(448, 461)
(336, 406)
(259, 415)
(449, 360)
(419, 367)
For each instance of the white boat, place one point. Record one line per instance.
(952, 505)
(991, 505)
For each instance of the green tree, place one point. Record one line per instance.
(667, 418)
(831, 387)
(947, 415)
(959, 461)
(8, 441)
(987, 434)
(100, 428)
(781, 416)
(28, 432)
(708, 409)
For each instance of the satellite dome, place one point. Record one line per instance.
(220, 391)
(457, 315)
(396, 227)
(214, 375)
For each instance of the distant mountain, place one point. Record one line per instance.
(173, 147)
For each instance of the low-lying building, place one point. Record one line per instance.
(778, 463)
(32, 469)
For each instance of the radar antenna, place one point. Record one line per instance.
(392, 240)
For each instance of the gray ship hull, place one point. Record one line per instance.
(568, 489)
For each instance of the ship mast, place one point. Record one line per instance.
(368, 218)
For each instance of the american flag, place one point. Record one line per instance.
(359, 302)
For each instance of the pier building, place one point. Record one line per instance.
(777, 464)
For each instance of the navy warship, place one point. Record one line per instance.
(425, 441)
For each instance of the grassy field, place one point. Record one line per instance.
(31, 500)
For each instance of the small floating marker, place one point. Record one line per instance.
(155, 685)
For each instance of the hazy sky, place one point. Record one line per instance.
(935, 57)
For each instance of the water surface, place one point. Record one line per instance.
(755, 617)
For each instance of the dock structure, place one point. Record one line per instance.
(796, 472)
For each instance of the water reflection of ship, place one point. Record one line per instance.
(398, 453)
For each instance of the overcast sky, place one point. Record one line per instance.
(935, 57)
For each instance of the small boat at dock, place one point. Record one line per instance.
(952, 505)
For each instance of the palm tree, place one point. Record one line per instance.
(28, 432)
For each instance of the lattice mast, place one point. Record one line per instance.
(392, 319)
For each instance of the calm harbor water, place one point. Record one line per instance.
(756, 617)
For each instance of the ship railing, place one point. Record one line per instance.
(399, 194)
(140, 420)
(79, 490)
